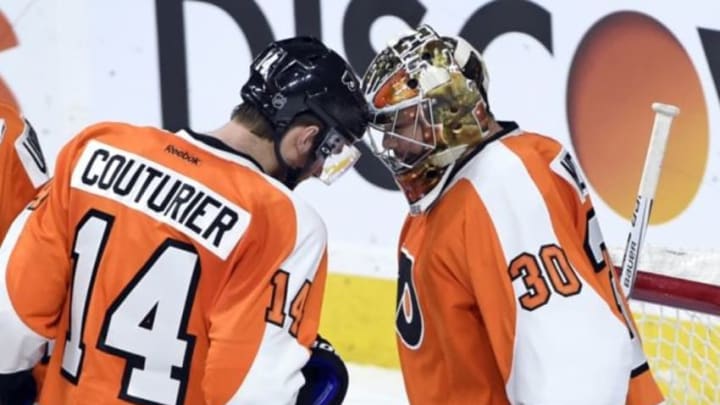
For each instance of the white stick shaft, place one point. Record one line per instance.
(664, 114)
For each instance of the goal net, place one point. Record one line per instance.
(678, 316)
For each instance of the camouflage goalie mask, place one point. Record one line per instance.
(428, 108)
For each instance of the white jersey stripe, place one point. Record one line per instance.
(20, 347)
(278, 347)
(31, 156)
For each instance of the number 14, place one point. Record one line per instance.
(146, 323)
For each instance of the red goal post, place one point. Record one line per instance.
(675, 292)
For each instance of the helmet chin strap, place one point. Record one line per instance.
(293, 174)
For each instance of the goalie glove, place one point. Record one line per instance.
(326, 377)
(17, 388)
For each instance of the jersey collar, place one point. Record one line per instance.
(216, 145)
(507, 128)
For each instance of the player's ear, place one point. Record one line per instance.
(306, 137)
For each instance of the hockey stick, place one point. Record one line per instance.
(664, 114)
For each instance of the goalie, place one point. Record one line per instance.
(505, 293)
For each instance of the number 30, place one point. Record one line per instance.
(562, 276)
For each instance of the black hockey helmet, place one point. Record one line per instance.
(301, 75)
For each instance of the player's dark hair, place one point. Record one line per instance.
(249, 116)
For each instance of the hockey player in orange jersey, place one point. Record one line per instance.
(505, 294)
(179, 268)
(23, 170)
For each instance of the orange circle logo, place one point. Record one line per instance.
(7, 40)
(625, 62)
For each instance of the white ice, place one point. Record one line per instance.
(371, 385)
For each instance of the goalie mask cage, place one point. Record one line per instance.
(679, 324)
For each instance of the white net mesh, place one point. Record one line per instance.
(683, 349)
(680, 329)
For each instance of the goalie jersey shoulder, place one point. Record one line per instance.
(538, 154)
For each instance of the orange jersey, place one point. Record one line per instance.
(169, 270)
(505, 294)
(22, 166)
(23, 170)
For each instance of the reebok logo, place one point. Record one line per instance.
(182, 154)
